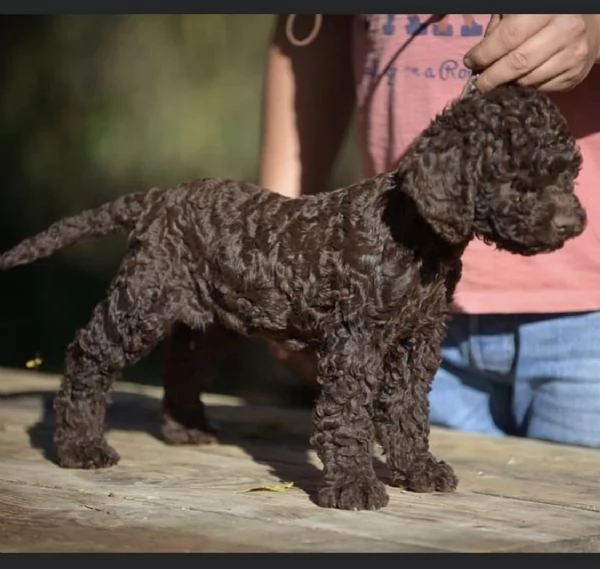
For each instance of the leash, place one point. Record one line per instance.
(468, 89)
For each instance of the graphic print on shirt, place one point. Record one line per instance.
(402, 29)
(469, 28)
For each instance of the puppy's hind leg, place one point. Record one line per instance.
(125, 326)
(191, 358)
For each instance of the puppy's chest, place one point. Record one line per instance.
(413, 291)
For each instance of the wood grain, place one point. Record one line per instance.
(514, 495)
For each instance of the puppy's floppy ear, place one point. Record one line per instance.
(442, 187)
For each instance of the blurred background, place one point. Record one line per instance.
(93, 107)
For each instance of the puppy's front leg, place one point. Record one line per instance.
(401, 416)
(343, 432)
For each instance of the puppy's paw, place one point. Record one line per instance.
(89, 454)
(426, 474)
(194, 431)
(363, 493)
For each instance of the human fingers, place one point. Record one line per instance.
(538, 53)
(503, 36)
(557, 73)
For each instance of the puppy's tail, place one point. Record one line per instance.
(118, 215)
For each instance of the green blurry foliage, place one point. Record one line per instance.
(96, 106)
(145, 100)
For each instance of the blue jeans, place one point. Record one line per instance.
(527, 375)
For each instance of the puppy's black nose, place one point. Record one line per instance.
(570, 222)
(563, 221)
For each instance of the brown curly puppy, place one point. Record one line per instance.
(363, 276)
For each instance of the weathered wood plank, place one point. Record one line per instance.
(506, 467)
(514, 494)
(154, 525)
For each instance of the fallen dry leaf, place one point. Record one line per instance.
(34, 363)
(277, 488)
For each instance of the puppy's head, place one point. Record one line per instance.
(500, 165)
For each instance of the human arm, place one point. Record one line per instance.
(307, 105)
(553, 52)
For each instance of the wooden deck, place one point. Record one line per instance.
(514, 495)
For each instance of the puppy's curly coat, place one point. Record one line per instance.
(363, 276)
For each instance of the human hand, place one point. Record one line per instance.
(552, 52)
